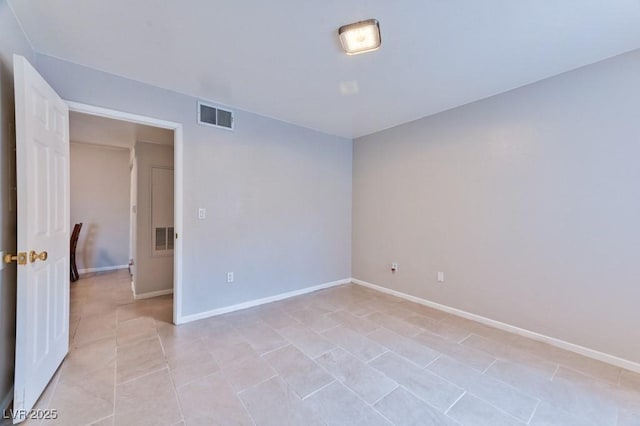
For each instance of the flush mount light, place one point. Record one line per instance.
(360, 37)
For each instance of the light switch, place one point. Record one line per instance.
(202, 213)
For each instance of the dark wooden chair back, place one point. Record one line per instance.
(74, 243)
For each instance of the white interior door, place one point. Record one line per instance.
(42, 160)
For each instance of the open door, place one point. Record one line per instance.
(42, 169)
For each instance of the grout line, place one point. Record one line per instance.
(594, 378)
(324, 329)
(148, 373)
(523, 390)
(382, 415)
(501, 410)
(464, 338)
(534, 411)
(385, 395)
(287, 343)
(377, 356)
(489, 366)
(430, 404)
(414, 363)
(218, 372)
(175, 392)
(173, 384)
(555, 372)
(351, 391)
(378, 328)
(143, 339)
(276, 349)
(435, 373)
(246, 409)
(455, 402)
(255, 385)
(440, 355)
(320, 388)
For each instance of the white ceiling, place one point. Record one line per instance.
(91, 129)
(282, 58)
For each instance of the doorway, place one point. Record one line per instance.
(154, 150)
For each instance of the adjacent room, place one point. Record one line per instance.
(362, 213)
(122, 195)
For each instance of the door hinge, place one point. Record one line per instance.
(20, 258)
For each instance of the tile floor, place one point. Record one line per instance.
(346, 355)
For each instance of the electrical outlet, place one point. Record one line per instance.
(202, 213)
(440, 277)
(229, 277)
(394, 267)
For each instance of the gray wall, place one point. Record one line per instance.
(528, 201)
(278, 196)
(152, 273)
(12, 40)
(100, 200)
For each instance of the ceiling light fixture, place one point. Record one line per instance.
(360, 37)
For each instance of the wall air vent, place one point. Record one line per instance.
(210, 115)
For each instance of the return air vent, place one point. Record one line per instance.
(210, 115)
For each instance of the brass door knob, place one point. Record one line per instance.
(33, 256)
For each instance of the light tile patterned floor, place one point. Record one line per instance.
(346, 355)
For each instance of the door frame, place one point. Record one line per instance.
(178, 184)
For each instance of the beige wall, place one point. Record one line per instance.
(529, 202)
(100, 200)
(152, 272)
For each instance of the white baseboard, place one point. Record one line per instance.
(257, 302)
(590, 353)
(152, 294)
(8, 398)
(102, 269)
